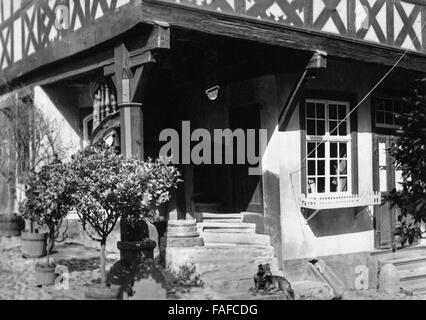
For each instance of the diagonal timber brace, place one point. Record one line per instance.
(317, 62)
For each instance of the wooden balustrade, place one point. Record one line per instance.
(104, 104)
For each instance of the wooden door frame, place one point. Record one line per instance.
(377, 138)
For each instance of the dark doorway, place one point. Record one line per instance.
(247, 191)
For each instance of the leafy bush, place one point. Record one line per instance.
(108, 187)
(183, 280)
(48, 198)
(409, 154)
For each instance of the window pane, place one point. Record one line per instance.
(333, 128)
(333, 111)
(311, 168)
(333, 167)
(388, 105)
(380, 106)
(380, 117)
(342, 112)
(310, 110)
(333, 150)
(312, 186)
(343, 169)
(321, 150)
(321, 168)
(320, 111)
(320, 127)
(333, 184)
(321, 185)
(343, 129)
(311, 127)
(343, 184)
(343, 150)
(389, 118)
(311, 150)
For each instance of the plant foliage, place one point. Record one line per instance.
(409, 154)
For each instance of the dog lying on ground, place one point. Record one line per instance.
(267, 283)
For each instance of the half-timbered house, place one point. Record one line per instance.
(323, 77)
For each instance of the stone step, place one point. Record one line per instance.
(413, 272)
(235, 269)
(215, 254)
(401, 262)
(235, 221)
(234, 258)
(222, 216)
(414, 285)
(239, 238)
(229, 230)
(226, 225)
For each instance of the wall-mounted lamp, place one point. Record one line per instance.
(213, 93)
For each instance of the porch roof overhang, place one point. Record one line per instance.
(115, 21)
(232, 23)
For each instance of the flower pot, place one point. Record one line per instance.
(135, 252)
(11, 225)
(103, 293)
(45, 275)
(34, 244)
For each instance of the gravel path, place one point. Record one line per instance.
(17, 273)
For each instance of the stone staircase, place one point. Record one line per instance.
(228, 255)
(233, 252)
(412, 272)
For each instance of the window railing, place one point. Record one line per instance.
(324, 202)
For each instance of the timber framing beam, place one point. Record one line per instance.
(317, 62)
(136, 65)
(236, 27)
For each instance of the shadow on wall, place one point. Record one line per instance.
(272, 219)
(340, 221)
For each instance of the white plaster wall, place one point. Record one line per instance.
(68, 137)
(299, 241)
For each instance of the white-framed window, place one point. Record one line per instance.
(328, 147)
(385, 110)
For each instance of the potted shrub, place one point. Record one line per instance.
(48, 201)
(144, 187)
(95, 175)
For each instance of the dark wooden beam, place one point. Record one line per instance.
(264, 32)
(317, 62)
(104, 29)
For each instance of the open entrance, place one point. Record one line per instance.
(230, 188)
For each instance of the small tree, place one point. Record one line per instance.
(95, 173)
(48, 199)
(409, 154)
(107, 187)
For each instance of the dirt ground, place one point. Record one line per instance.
(17, 277)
